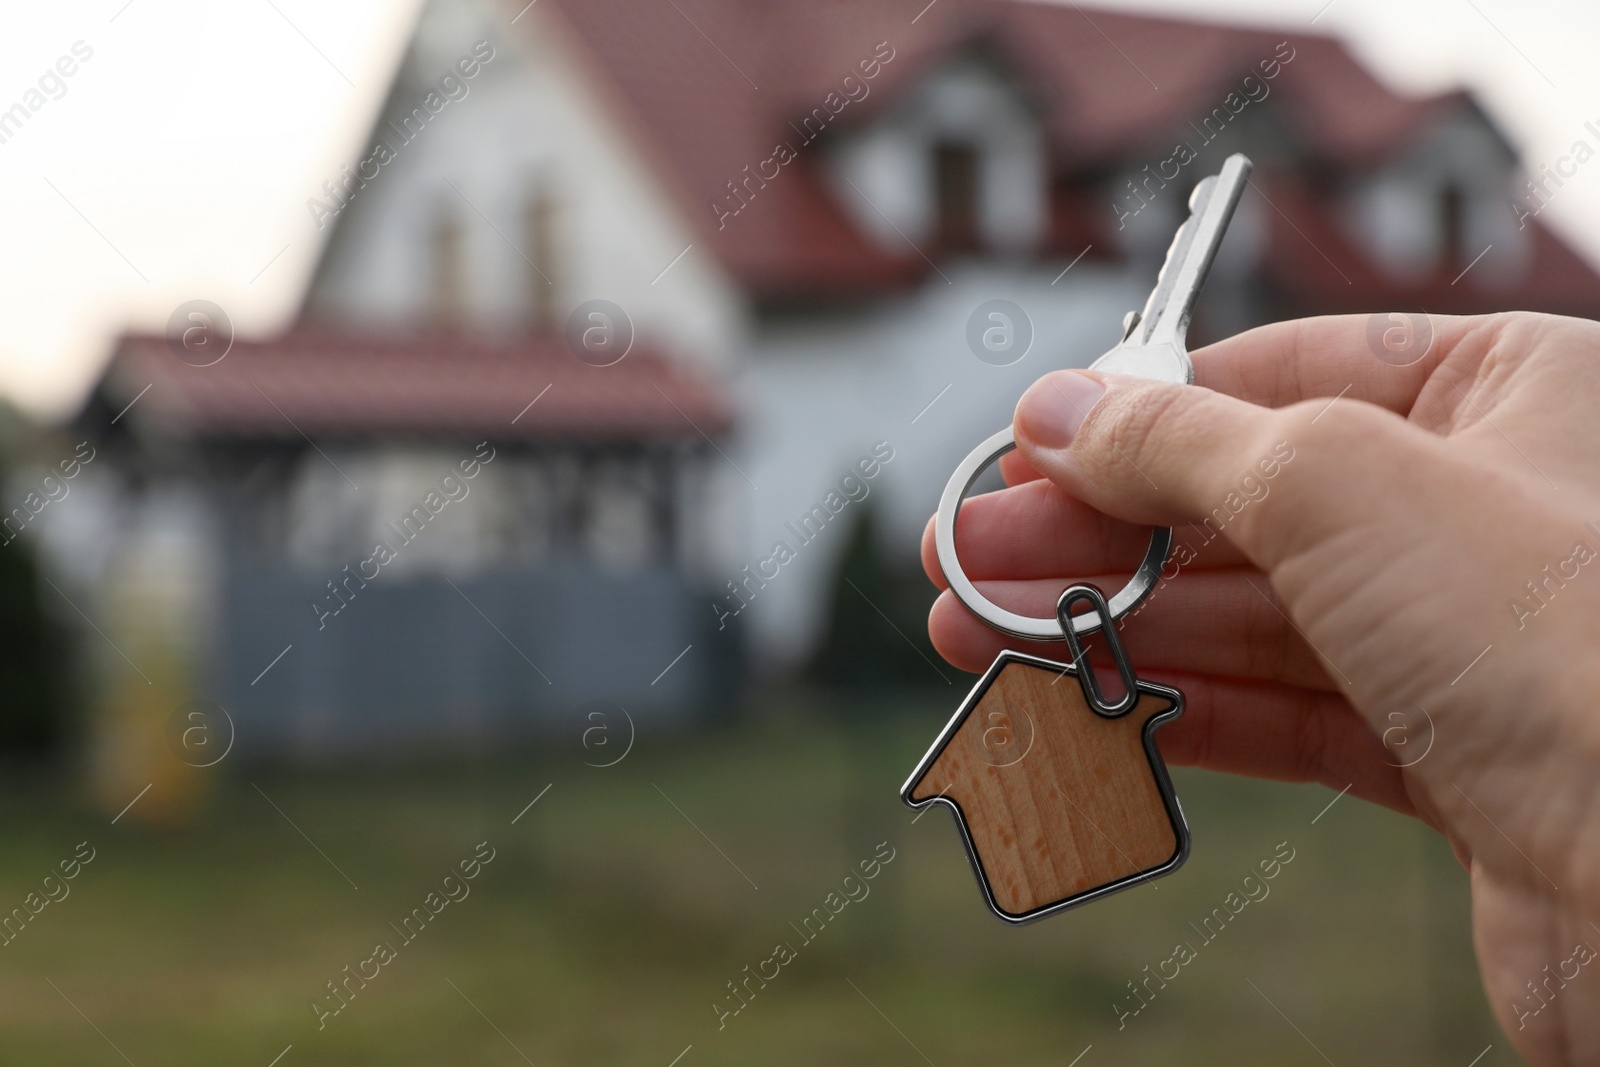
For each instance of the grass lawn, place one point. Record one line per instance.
(616, 910)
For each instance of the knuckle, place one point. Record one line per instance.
(1333, 429)
(1317, 425)
(1306, 443)
(1135, 430)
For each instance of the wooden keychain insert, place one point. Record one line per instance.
(1058, 801)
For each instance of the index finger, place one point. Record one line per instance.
(1332, 356)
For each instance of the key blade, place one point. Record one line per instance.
(1166, 316)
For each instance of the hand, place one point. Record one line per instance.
(1353, 538)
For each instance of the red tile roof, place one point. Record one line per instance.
(1316, 269)
(709, 86)
(325, 383)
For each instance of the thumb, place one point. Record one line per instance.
(1273, 480)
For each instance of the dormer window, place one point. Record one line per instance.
(448, 268)
(541, 220)
(1436, 211)
(1452, 221)
(958, 164)
(955, 196)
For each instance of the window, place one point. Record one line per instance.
(1452, 221)
(955, 196)
(449, 295)
(620, 530)
(540, 222)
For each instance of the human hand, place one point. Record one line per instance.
(1378, 566)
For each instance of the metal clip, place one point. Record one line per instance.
(1119, 655)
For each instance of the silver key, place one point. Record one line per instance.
(1153, 346)
(1154, 342)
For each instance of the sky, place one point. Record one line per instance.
(174, 162)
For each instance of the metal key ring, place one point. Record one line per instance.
(1026, 626)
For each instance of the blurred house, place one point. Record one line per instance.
(448, 536)
(795, 214)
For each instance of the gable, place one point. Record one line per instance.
(509, 199)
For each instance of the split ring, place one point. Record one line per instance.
(1029, 627)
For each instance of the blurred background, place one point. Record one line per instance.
(461, 429)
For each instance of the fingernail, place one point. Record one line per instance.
(1053, 408)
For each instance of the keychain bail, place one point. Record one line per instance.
(1119, 655)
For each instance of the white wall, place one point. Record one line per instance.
(817, 397)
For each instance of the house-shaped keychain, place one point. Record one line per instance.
(1061, 794)
(1058, 803)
